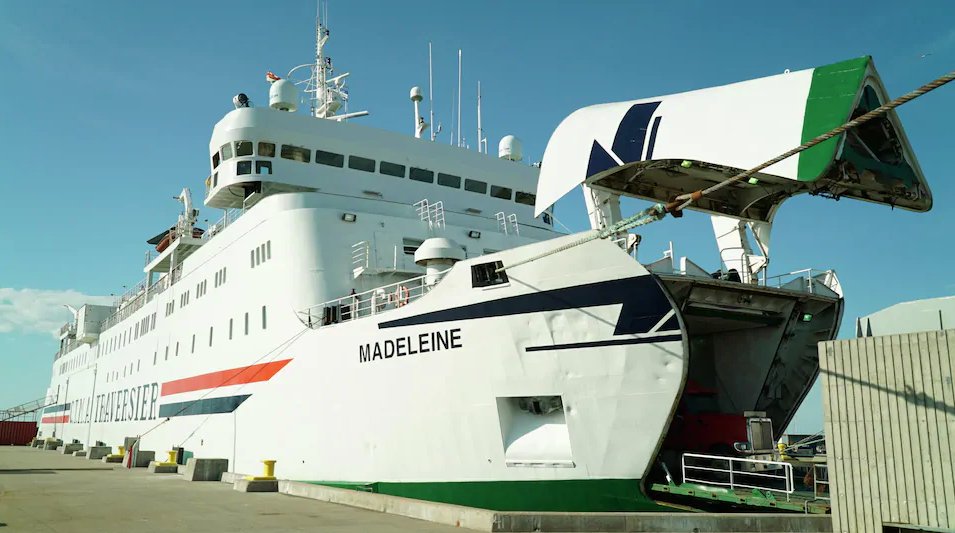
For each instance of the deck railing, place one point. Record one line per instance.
(737, 473)
(369, 303)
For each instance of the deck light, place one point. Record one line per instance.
(474, 234)
(349, 217)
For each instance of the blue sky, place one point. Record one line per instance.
(108, 111)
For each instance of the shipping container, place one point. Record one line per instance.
(17, 433)
(889, 406)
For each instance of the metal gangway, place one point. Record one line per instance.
(23, 409)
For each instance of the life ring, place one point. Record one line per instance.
(401, 296)
(163, 244)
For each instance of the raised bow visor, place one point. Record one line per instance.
(658, 148)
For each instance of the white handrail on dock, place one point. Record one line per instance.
(782, 473)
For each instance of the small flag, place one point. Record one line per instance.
(271, 78)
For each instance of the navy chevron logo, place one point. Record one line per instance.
(644, 305)
(629, 141)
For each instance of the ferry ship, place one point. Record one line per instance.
(378, 311)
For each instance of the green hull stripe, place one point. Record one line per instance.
(575, 495)
(831, 96)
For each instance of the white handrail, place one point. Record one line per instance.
(734, 473)
(369, 303)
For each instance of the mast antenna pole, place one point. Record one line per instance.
(459, 98)
(431, 91)
(480, 131)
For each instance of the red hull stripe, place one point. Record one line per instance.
(55, 419)
(224, 378)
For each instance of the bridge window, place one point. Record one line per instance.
(243, 167)
(243, 148)
(226, 150)
(215, 160)
(475, 186)
(267, 149)
(525, 198)
(329, 158)
(392, 169)
(486, 275)
(302, 155)
(449, 180)
(263, 317)
(420, 174)
(500, 192)
(215, 179)
(361, 163)
(263, 167)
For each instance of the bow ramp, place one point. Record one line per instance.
(658, 148)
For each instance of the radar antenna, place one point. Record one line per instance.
(325, 93)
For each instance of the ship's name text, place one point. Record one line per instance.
(434, 341)
(125, 405)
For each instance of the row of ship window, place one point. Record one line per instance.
(297, 153)
(115, 374)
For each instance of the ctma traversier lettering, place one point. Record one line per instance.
(434, 341)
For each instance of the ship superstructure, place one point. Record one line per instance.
(354, 313)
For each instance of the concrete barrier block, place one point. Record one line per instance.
(142, 458)
(98, 452)
(205, 469)
(441, 513)
(114, 458)
(231, 477)
(181, 469)
(52, 444)
(156, 468)
(68, 449)
(256, 485)
(79, 453)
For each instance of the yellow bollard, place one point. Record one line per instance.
(268, 471)
(122, 450)
(782, 452)
(172, 456)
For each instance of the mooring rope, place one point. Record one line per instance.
(659, 211)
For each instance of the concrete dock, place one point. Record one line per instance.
(45, 491)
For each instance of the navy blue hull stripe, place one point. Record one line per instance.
(600, 160)
(611, 342)
(208, 406)
(632, 132)
(643, 299)
(653, 137)
(56, 408)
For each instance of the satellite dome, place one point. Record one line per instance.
(510, 148)
(416, 94)
(283, 95)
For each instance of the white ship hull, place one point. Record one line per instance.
(420, 400)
